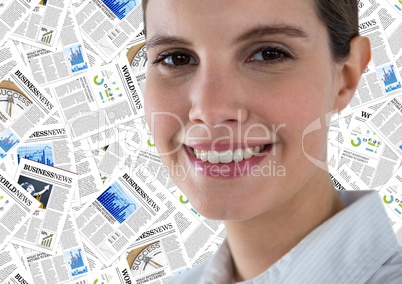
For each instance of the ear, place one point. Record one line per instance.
(351, 69)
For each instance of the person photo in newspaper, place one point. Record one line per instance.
(238, 97)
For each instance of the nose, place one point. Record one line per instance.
(217, 97)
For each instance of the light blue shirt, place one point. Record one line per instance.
(357, 245)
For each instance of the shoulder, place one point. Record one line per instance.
(193, 275)
(390, 272)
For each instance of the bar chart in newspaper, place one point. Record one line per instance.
(117, 202)
(121, 7)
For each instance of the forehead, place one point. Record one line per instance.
(224, 18)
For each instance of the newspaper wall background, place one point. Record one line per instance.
(72, 76)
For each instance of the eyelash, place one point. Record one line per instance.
(284, 55)
(165, 55)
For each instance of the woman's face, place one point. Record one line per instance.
(231, 74)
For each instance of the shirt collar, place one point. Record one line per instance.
(351, 245)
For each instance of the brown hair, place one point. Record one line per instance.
(341, 19)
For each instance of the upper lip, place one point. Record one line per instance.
(226, 146)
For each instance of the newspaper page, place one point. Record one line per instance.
(9, 58)
(118, 216)
(110, 149)
(89, 181)
(137, 54)
(367, 154)
(196, 231)
(94, 59)
(210, 250)
(203, 231)
(12, 14)
(380, 79)
(387, 123)
(347, 179)
(25, 106)
(396, 4)
(367, 8)
(174, 209)
(49, 145)
(43, 26)
(109, 25)
(16, 207)
(69, 59)
(115, 274)
(99, 100)
(54, 189)
(12, 271)
(391, 194)
(70, 262)
(158, 254)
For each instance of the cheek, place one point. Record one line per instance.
(164, 115)
(297, 106)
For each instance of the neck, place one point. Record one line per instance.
(257, 243)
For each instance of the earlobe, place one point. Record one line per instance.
(352, 69)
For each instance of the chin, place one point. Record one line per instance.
(222, 209)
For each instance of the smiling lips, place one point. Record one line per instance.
(225, 157)
(228, 163)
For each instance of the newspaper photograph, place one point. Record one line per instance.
(16, 206)
(158, 254)
(54, 189)
(118, 216)
(109, 25)
(69, 263)
(42, 28)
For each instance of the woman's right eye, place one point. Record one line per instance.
(175, 59)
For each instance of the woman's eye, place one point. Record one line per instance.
(176, 59)
(268, 55)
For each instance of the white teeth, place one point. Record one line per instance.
(204, 156)
(226, 157)
(238, 155)
(229, 156)
(248, 153)
(213, 157)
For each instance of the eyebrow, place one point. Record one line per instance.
(256, 32)
(278, 29)
(166, 40)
